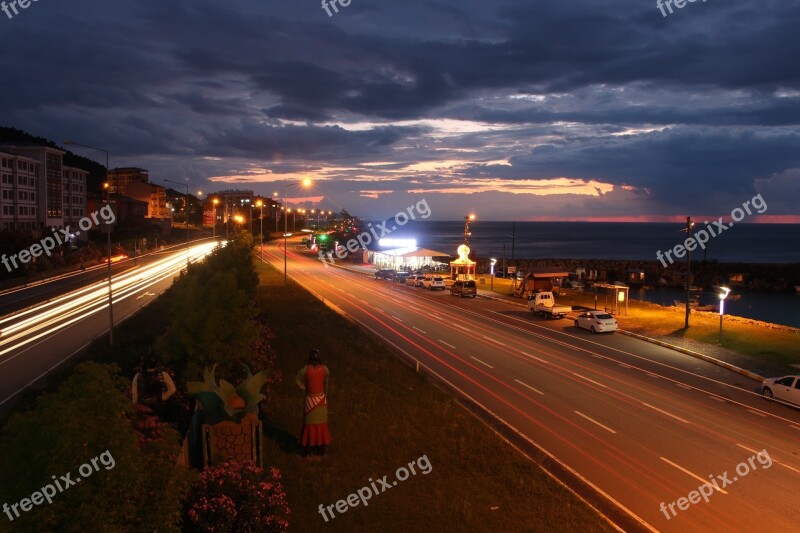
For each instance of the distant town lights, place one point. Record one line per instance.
(398, 243)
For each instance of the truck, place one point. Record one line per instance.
(544, 303)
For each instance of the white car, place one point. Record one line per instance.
(433, 282)
(596, 321)
(786, 388)
(415, 281)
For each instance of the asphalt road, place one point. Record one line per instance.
(36, 339)
(641, 424)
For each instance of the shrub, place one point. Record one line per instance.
(237, 497)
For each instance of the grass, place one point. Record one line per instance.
(382, 416)
(775, 345)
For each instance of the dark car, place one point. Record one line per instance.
(464, 288)
(386, 273)
(400, 277)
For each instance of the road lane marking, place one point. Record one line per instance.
(717, 398)
(589, 380)
(703, 481)
(653, 375)
(773, 460)
(793, 426)
(396, 317)
(434, 314)
(595, 422)
(447, 344)
(421, 331)
(534, 357)
(665, 413)
(528, 386)
(491, 339)
(757, 413)
(460, 327)
(481, 362)
(681, 385)
(624, 365)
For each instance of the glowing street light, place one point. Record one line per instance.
(215, 201)
(260, 205)
(305, 183)
(723, 293)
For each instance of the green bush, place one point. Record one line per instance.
(86, 416)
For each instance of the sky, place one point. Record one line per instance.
(511, 110)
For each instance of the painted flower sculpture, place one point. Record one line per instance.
(224, 402)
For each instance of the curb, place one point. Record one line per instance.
(698, 355)
(707, 358)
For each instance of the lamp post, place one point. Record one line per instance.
(214, 202)
(306, 183)
(108, 201)
(723, 293)
(467, 232)
(185, 215)
(260, 205)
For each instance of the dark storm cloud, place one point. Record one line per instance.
(707, 98)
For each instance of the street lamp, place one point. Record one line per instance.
(305, 183)
(467, 232)
(215, 201)
(107, 186)
(185, 216)
(260, 205)
(492, 263)
(723, 293)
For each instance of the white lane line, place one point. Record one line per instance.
(652, 375)
(595, 422)
(757, 413)
(528, 386)
(534, 357)
(773, 460)
(447, 344)
(624, 365)
(703, 481)
(681, 385)
(481, 362)
(437, 316)
(717, 398)
(793, 426)
(460, 327)
(589, 380)
(596, 356)
(491, 339)
(665, 413)
(396, 317)
(421, 331)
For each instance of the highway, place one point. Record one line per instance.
(38, 338)
(640, 424)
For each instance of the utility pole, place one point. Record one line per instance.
(689, 225)
(513, 238)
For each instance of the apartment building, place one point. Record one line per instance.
(159, 210)
(19, 208)
(73, 185)
(119, 179)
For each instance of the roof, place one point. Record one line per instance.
(425, 252)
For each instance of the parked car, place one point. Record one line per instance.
(462, 288)
(544, 303)
(786, 388)
(433, 282)
(400, 277)
(596, 322)
(385, 273)
(415, 281)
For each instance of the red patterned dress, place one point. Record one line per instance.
(314, 380)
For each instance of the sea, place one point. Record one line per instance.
(745, 243)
